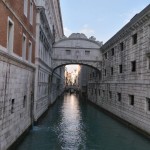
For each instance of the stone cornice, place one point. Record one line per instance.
(75, 60)
(137, 21)
(43, 63)
(41, 9)
(83, 39)
(56, 22)
(60, 15)
(9, 58)
(77, 48)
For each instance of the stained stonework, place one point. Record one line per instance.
(16, 70)
(16, 96)
(77, 49)
(48, 86)
(124, 89)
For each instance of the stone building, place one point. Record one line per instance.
(125, 85)
(83, 78)
(17, 52)
(94, 78)
(28, 84)
(77, 49)
(48, 29)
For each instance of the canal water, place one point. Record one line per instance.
(73, 124)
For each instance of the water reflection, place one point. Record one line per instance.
(72, 124)
(71, 131)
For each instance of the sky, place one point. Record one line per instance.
(71, 68)
(99, 18)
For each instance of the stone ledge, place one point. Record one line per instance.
(15, 60)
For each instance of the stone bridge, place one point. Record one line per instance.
(77, 49)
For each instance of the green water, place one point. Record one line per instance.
(72, 124)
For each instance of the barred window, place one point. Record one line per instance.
(131, 99)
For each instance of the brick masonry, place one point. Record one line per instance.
(16, 74)
(14, 11)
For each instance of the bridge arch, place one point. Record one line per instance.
(77, 49)
(84, 64)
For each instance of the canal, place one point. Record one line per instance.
(73, 124)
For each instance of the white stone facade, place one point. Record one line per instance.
(46, 91)
(53, 15)
(77, 49)
(16, 98)
(26, 89)
(124, 88)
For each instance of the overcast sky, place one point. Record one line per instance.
(99, 18)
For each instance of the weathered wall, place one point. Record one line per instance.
(77, 48)
(46, 90)
(16, 70)
(128, 82)
(16, 91)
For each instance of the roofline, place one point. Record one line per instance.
(60, 14)
(66, 39)
(128, 27)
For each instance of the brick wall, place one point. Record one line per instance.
(21, 26)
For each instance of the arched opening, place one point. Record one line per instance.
(87, 73)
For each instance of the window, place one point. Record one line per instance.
(112, 70)
(24, 101)
(10, 35)
(148, 104)
(1, 111)
(96, 74)
(54, 31)
(24, 47)
(87, 53)
(148, 62)
(131, 99)
(25, 7)
(112, 52)
(68, 52)
(90, 75)
(95, 92)
(93, 74)
(30, 52)
(110, 94)
(99, 92)
(31, 11)
(119, 96)
(133, 66)
(103, 93)
(105, 72)
(100, 75)
(120, 68)
(121, 46)
(105, 55)
(134, 38)
(12, 106)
